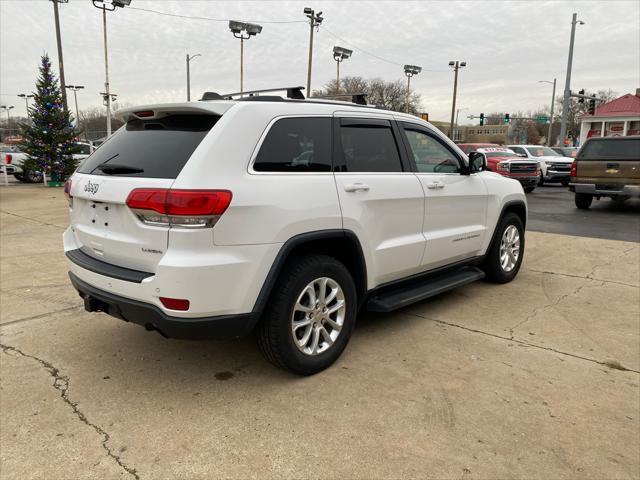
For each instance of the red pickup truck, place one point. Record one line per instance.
(507, 163)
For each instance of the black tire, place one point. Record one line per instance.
(529, 189)
(32, 177)
(583, 200)
(491, 265)
(565, 183)
(18, 177)
(274, 332)
(541, 180)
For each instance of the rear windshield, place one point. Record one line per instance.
(623, 149)
(150, 148)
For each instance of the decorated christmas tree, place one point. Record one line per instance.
(48, 137)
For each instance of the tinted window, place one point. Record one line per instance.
(296, 145)
(627, 149)
(542, 152)
(369, 149)
(83, 148)
(160, 148)
(429, 154)
(518, 150)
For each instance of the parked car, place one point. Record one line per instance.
(16, 160)
(606, 167)
(554, 168)
(507, 163)
(566, 151)
(200, 219)
(12, 159)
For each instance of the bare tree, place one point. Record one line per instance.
(576, 109)
(388, 95)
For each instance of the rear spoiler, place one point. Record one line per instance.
(161, 110)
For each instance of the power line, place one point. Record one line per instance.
(210, 19)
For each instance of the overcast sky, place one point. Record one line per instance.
(508, 47)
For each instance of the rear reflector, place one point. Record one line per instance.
(179, 208)
(175, 303)
(574, 169)
(67, 191)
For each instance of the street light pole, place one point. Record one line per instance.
(339, 55)
(410, 71)
(567, 84)
(102, 5)
(456, 66)
(74, 89)
(458, 110)
(243, 31)
(26, 98)
(553, 99)
(189, 58)
(59, 41)
(8, 110)
(315, 19)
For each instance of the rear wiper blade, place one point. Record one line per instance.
(113, 169)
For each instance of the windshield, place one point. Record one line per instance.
(495, 152)
(542, 152)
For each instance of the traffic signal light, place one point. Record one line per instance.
(581, 100)
(592, 105)
(481, 119)
(506, 118)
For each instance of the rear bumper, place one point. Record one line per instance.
(593, 189)
(152, 318)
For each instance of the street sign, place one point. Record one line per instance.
(542, 119)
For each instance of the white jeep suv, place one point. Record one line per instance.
(284, 217)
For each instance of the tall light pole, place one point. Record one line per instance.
(339, 55)
(553, 99)
(26, 98)
(74, 89)
(8, 110)
(189, 58)
(105, 7)
(456, 65)
(410, 71)
(243, 31)
(567, 84)
(59, 41)
(315, 19)
(458, 110)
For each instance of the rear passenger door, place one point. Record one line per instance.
(382, 201)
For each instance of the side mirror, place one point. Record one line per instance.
(477, 162)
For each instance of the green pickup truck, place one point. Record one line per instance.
(606, 167)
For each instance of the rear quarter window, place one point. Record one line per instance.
(623, 149)
(151, 148)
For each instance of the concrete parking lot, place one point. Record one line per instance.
(538, 378)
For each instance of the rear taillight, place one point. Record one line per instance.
(67, 192)
(7, 158)
(179, 208)
(175, 303)
(574, 169)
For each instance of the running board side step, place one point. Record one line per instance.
(406, 295)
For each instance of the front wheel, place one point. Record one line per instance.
(565, 183)
(507, 250)
(31, 176)
(529, 189)
(583, 200)
(311, 314)
(541, 180)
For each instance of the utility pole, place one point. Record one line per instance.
(189, 58)
(567, 84)
(60, 62)
(315, 19)
(553, 99)
(456, 66)
(410, 71)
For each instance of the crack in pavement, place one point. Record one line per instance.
(34, 220)
(42, 315)
(61, 383)
(582, 277)
(613, 364)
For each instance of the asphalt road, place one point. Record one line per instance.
(552, 210)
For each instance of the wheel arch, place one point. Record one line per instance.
(518, 207)
(340, 244)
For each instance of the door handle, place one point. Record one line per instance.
(356, 187)
(435, 185)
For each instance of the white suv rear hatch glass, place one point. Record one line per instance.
(142, 154)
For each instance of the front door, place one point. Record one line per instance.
(455, 204)
(381, 200)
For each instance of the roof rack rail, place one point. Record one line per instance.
(292, 92)
(359, 98)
